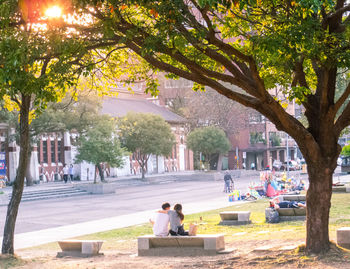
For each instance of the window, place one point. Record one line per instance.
(257, 137)
(59, 151)
(53, 151)
(171, 83)
(187, 83)
(255, 117)
(45, 151)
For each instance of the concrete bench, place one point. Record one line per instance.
(235, 218)
(341, 188)
(199, 245)
(288, 214)
(292, 197)
(80, 248)
(343, 237)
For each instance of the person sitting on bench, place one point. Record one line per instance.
(160, 221)
(276, 204)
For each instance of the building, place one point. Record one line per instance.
(54, 150)
(257, 144)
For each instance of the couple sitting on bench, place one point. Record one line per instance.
(175, 217)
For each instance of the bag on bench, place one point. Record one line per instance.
(193, 229)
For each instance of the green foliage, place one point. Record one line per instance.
(100, 144)
(256, 137)
(275, 140)
(345, 151)
(208, 140)
(146, 134)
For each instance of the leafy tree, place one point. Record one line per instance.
(346, 151)
(208, 140)
(275, 139)
(101, 145)
(273, 51)
(40, 58)
(145, 134)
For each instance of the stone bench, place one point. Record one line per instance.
(341, 188)
(235, 218)
(80, 248)
(292, 197)
(288, 214)
(343, 237)
(199, 245)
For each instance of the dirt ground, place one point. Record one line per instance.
(242, 256)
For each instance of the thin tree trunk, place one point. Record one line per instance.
(102, 176)
(219, 165)
(95, 174)
(17, 189)
(318, 201)
(143, 169)
(29, 177)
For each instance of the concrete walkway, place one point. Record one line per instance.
(31, 239)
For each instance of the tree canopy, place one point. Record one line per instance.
(262, 54)
(100, 144)
(145, 134)
(208, 140)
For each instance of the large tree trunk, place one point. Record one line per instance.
(318, 200)
(17, 189)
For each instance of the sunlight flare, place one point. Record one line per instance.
(54, 12)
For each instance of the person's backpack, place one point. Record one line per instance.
(273, 216)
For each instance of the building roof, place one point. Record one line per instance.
(119, 107)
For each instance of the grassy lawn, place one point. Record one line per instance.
(125, 239)
(121, 243)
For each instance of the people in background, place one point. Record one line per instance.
(252, 166)
(71, 172)
(275, 203)
(229, 185)
(65, 173)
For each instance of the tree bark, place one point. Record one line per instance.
(95, 174)
(17, 189)
(102, 176)
(143, 169)
(29, 177)
(219, 165)
(318, 201)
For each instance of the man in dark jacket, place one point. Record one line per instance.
(228, 180)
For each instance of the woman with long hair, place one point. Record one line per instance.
(176, 220)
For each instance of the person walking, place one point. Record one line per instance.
(71, 172)
(228, 180)
(65, 173)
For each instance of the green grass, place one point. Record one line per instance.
(125, 238)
